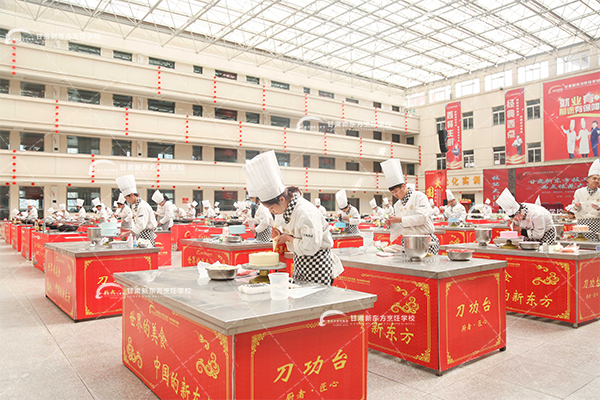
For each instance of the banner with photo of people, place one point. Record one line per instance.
(571, 117)
(454, 130)
(514, 106)
(435, 186)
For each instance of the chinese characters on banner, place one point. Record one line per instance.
(494, 182)
(514, 105)
(435, 186)
(571, 117)
(454, 129)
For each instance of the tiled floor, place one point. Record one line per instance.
(44, 355)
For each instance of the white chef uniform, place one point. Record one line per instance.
(208, 211)
(144, 222)
(260, 217)
(586, 214)
(377, 213)
(487, 209)
(63, 214)
(191, 213)
(81, 213)
(320, 207)
(388, 209)
(352, 223)
(32, 213)
(165, 212)
(124, 213)
(458, 211)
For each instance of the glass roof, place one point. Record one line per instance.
(402, 43)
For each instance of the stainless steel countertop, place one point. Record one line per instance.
(458, 228)
(436, 267)
(244, 245)
(219, 305)
(437, 231)
(83, 249)
(61, 233)
(345, 236)
(582, 245)
(493, 249)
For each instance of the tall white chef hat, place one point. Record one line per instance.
(393, 172)
(62, 207)
(29, 203)
(265, 176)
(206, 203)
(217, 204)
(80, 202)
(181, 211)
(241, 205)
(431, 202)
(121, 199)
(373, 203)
(157, 197)
(126, 184)
(317, 201)
(487, 201)
(449, 195)
(51, 210)
(250, 189)
(508, 203)
(15, 212)
(570, 208)
(24, 214)
(538, 202)
(115, 204)
(96, 202)
(194, 203)
(594, 168)
(386, 201)
(341, 199)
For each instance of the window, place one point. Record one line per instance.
(161, 150)
(4, 202)
(280, 121)
(326, 94)
(354, 202)
(326, 162)
(306, 195)
(4, 84)
(4, 140)
(82, 48)
(534, 152)
(440, 124)
(467, 87)
(307, 90)
(305, 161)
(121, 148)
(32, 142)
(198, 196)
(226, 75)
(328, 201)
(3, 32)
(441, 161)
(415, 99)
(86, 194)
(83, 145)
(32, 193)
(468, 159)
(377, 167)
(326, 128)
(498, 115)
(351, 100)
(280, 85)
(376, 104)
(500, 155)
(228, 115)
(410, 169)
(440, 94)
(351, 133)
(533, 109)
(306, 125)
(533, 72)
(396, 108)
(121, 55)
(161, 106)
(395, 138)
(226, 198)
(377, 135)
(84, 96)
(467, 119)
(283, 159)
(198, 69)
(168, 194)
(498, 80)
(33, 39)
(252, 118)
(352, 166)
(33, 90)
(573, 62)
(196, 110)
(226, 155)
(410, 140)
(250, 154)
(161, 63)
(253, 80)
(122, 101)
(197, 153)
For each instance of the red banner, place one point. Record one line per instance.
(571, 116)
(454, 129)
(514, 105)
(494, 182)
(435, 186)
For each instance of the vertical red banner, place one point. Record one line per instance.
(514, 106)
(571, 117)
(494, 182)
(454, 129)
(435, 186)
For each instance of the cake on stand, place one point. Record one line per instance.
(264, 262)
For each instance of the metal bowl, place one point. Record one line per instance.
(233, 239)
(560, 229)
(530, 245)
(94, 235)
(483, 236)
(460, 256)
(416, 246)
(222, 274)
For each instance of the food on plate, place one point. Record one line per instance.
(581, 228)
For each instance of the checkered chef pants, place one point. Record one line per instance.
(434, 245)
(549, 237)
(593, 223)
(264, 236)
(317, 268)
(351, 229)
(148, 235)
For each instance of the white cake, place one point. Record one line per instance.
(509, 234)
(263, 259)
(581, 228)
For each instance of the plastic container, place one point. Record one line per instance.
(280, 285)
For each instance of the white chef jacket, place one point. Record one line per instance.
(586, 211)
(323, 210)
(388, 210)
(63, 214)
(487, 211)
(353, 214)
(210, 213)
(435, 211)
(81, 215)
(416, 215)
(378, 213)
(33, 213)
(262, 219)
(102, 215)
(458, 211)
(126, 216)
(191, 213)
(571, 138)
(166, 213)
(537, 221)
(143, 218)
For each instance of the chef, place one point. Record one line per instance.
(164, 210)
(32, 212)
(80, 211)
(101, 212)
(241, 210)
(191, 213)
(586, 200)
(144, 222)
(487, 209)
(305, 231)
(348, 213)
(208, 211)
(454, 208)
(217, 209)
(63, 214)
(51, 214)
(124, 213)
(320, 207)
(387, 207)
(412, 210)
(115, 209)
(377, 211)
(260, 219)
(531, 221)
(435, 212)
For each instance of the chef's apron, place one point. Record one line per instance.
(352, 229)
(147, 234)
(126, 225)
(164, 227)
(549, 236)
(264, 236)
(317, 268)
(434, 244)
(593, 223)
